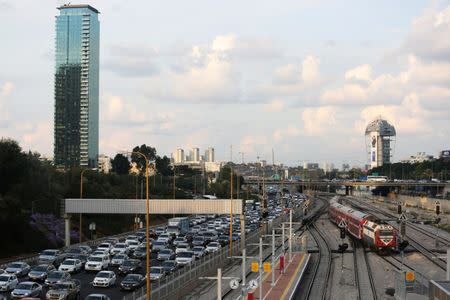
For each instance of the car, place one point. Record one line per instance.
(118, 259)
(97, 263)
(86, 248)
(166, 254)
(18, 268)
(97, 297)
(26, 289)
(105, 247)
(120, 248)
(199, 251)
(156, 273)
(199, 241)
(104, 279)
(68, 290)
(235, 236)
(8, 282)
(101, 252)
(71, 265)
(182, 247)
(140, 252)
(82, 257)
(169, 266)
(210, 235)
(213, 247)
(131, 238)
(40, 272)
(185, 258)
(179, 240)
(129, 266)
(165, 237)
(55, 277)
(158, 245)
(50, 256)
(223, 240)
(133, 245)
(132, 282)
(159, 230)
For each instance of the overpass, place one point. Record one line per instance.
(156, 206)
(350, 183)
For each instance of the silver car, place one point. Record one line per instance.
(18, 268)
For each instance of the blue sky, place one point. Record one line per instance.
(302, 77)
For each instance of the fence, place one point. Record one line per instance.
(419, 286)
(166, 287)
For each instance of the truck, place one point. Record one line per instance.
(178, 225)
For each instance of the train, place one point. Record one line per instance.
(374, 233)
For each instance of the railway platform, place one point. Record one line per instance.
(285, 283)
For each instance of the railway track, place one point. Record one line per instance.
(317, 288)
(363, 273)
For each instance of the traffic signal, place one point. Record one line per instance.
(403, 245)
(438, 210)
(399, 209)
(342, 229)
(343, 247)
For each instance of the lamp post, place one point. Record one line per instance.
(147, 221)
(92, 229)
(81, 197)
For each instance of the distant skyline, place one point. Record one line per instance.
(303, 78)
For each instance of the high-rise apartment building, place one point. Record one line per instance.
(209, 154)
(178, 156)
(195, 154)
(76, 87)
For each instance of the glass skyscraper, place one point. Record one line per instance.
(76, 87)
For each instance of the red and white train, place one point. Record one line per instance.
(364, 227)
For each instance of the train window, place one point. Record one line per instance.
(385, 233)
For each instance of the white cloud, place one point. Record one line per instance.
(318, 121)
(274, 106)
(363, 72)
(428, 38)
(409, 117)
(348, 94)
(310, 69)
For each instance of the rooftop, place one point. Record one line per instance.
(79, 6)
(381, 126)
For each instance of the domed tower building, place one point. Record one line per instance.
(380, 138)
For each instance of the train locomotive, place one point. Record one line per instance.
(364, 227)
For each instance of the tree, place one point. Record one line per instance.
(120, 164)
(12, 164)
(148, 151)
(163, 165)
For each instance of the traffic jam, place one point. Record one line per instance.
(117, 266)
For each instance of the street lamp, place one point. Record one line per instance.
(147, 221)
(92, 229)
(81, 197)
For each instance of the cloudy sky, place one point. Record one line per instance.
(301, 77)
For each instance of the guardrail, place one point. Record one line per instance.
(169, 285)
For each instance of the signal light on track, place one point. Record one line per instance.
(343, 247)
(403, 245)
(399, 209)
(438, 209)
(342, 233)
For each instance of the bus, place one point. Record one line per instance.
(377, 178)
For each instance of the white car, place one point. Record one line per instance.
(165, 237)
(71, 265)
(182, 247)
(118, 259)
(133, 245)
(105, 247)
(199, 251)
(213, 247)
(8, 282)
(104, 279)
(131, 238)
(18, 268)
(97, 263)
(156, 273)
(120, 248)
(185, 258)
